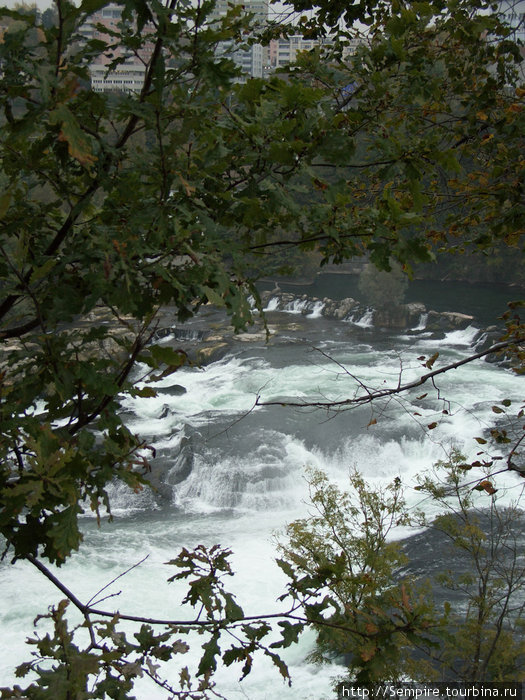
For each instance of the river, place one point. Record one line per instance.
(233, 474)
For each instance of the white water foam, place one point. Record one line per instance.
(422, 324)
(306, 307)
(272, 305)
(460, 338)
(364, 321)
(265, 478)
(229, 386)
(316, 310)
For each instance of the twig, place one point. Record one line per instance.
(382, 393)
(134, 566)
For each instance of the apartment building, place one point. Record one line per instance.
(127, 76)
(251, 60)
(254, 61)
(284, 50)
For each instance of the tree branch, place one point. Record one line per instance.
(87, 610)
(382, 393)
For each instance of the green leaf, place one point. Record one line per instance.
(208, 661)
(214, 297)
(90, 6)
(23, 669)
(42, 271)
(64, 534)
(232, 610)
(281, 665)
(286, 567)
(168, 356)
(290, 634)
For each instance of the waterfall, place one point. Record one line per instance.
(272, 305)
(422, 324)
(364, 321)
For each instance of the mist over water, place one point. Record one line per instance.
(231, 473)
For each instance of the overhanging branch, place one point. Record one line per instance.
(399, 389)
(290, 614)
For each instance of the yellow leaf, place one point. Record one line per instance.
(368, 653)
(405, 598)
(187, 187)
(430, 362)
(5, 201)
(78, 143)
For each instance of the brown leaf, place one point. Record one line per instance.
(405, 598)
(368, 653)
(189, 189)
(487, 486)
(430, 362)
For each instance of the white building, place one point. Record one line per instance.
(250, 60)
(284, 50)
(259, 8)
(127, 76)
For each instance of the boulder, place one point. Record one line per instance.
(211, 353)
(448, 321)
(173, 390)
(345, 308)
(165, 412)
(391, 317)
(339, 309)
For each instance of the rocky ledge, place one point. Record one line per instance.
(399, 317)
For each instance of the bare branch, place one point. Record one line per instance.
(382, 393)
(134, 566)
